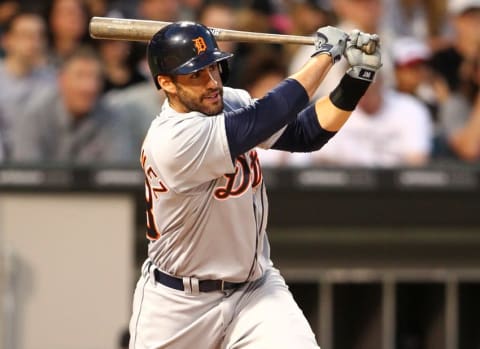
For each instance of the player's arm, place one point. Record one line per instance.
(249, 126)
(316, 124)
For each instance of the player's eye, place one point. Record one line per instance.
(195, 75)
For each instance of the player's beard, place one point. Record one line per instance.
(200, 103)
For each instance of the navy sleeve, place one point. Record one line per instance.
(305, 134)
(249, 126)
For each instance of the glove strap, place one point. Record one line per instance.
(326, 49)
(362, 73)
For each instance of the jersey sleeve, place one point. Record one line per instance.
(248, 127)
(245, 99)
(268, 143)
(190, 151)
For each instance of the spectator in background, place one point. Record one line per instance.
(119, 70)
(8, 9)
(191, 8)
(387, 128)
(140, 103)
(257, 17)
(2, 149)
(96, 7)
(71, 125)
(458, 65)
(159, 10)
(414, 76)
(410, 57)
(365, 15)
(306, 16)
(424, 20)
(218, 14)
(118, 73)
(266, 71)
(23, 71)
(68, 27)
(109, 8)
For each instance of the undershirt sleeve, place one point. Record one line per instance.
(249, 126)
(304, 134)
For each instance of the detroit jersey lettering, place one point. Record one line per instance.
(206, 215)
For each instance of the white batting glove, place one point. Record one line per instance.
(331, 41)
(363, 66)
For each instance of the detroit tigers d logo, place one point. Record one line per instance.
(247, 173)
(200, 44)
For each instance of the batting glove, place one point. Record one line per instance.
(331, 41)
(363, 66)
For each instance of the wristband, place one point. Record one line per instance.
(348, 92)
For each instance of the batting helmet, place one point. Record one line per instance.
(184, 48)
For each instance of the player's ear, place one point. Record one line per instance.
(166, 83)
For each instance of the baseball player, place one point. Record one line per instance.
(208, 281)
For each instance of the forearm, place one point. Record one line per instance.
(333, 111)
(329, 116)
(305, 134)
(313, 72)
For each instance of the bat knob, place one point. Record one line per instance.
(370, 47)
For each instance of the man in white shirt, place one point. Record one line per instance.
(388, 128)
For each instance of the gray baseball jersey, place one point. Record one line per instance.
(206, 215)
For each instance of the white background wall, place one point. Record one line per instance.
(72, 268)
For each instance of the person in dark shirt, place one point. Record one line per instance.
(458, 65)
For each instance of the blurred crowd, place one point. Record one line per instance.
(68, 99)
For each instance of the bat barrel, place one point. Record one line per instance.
(143, 30)
(123, 29)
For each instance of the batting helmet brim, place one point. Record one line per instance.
(201, 61)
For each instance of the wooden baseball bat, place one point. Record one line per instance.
(143, 30)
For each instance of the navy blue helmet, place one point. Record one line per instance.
(183, 48)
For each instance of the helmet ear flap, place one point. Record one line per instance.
(224, 70)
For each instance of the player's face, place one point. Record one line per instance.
(201, 91)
